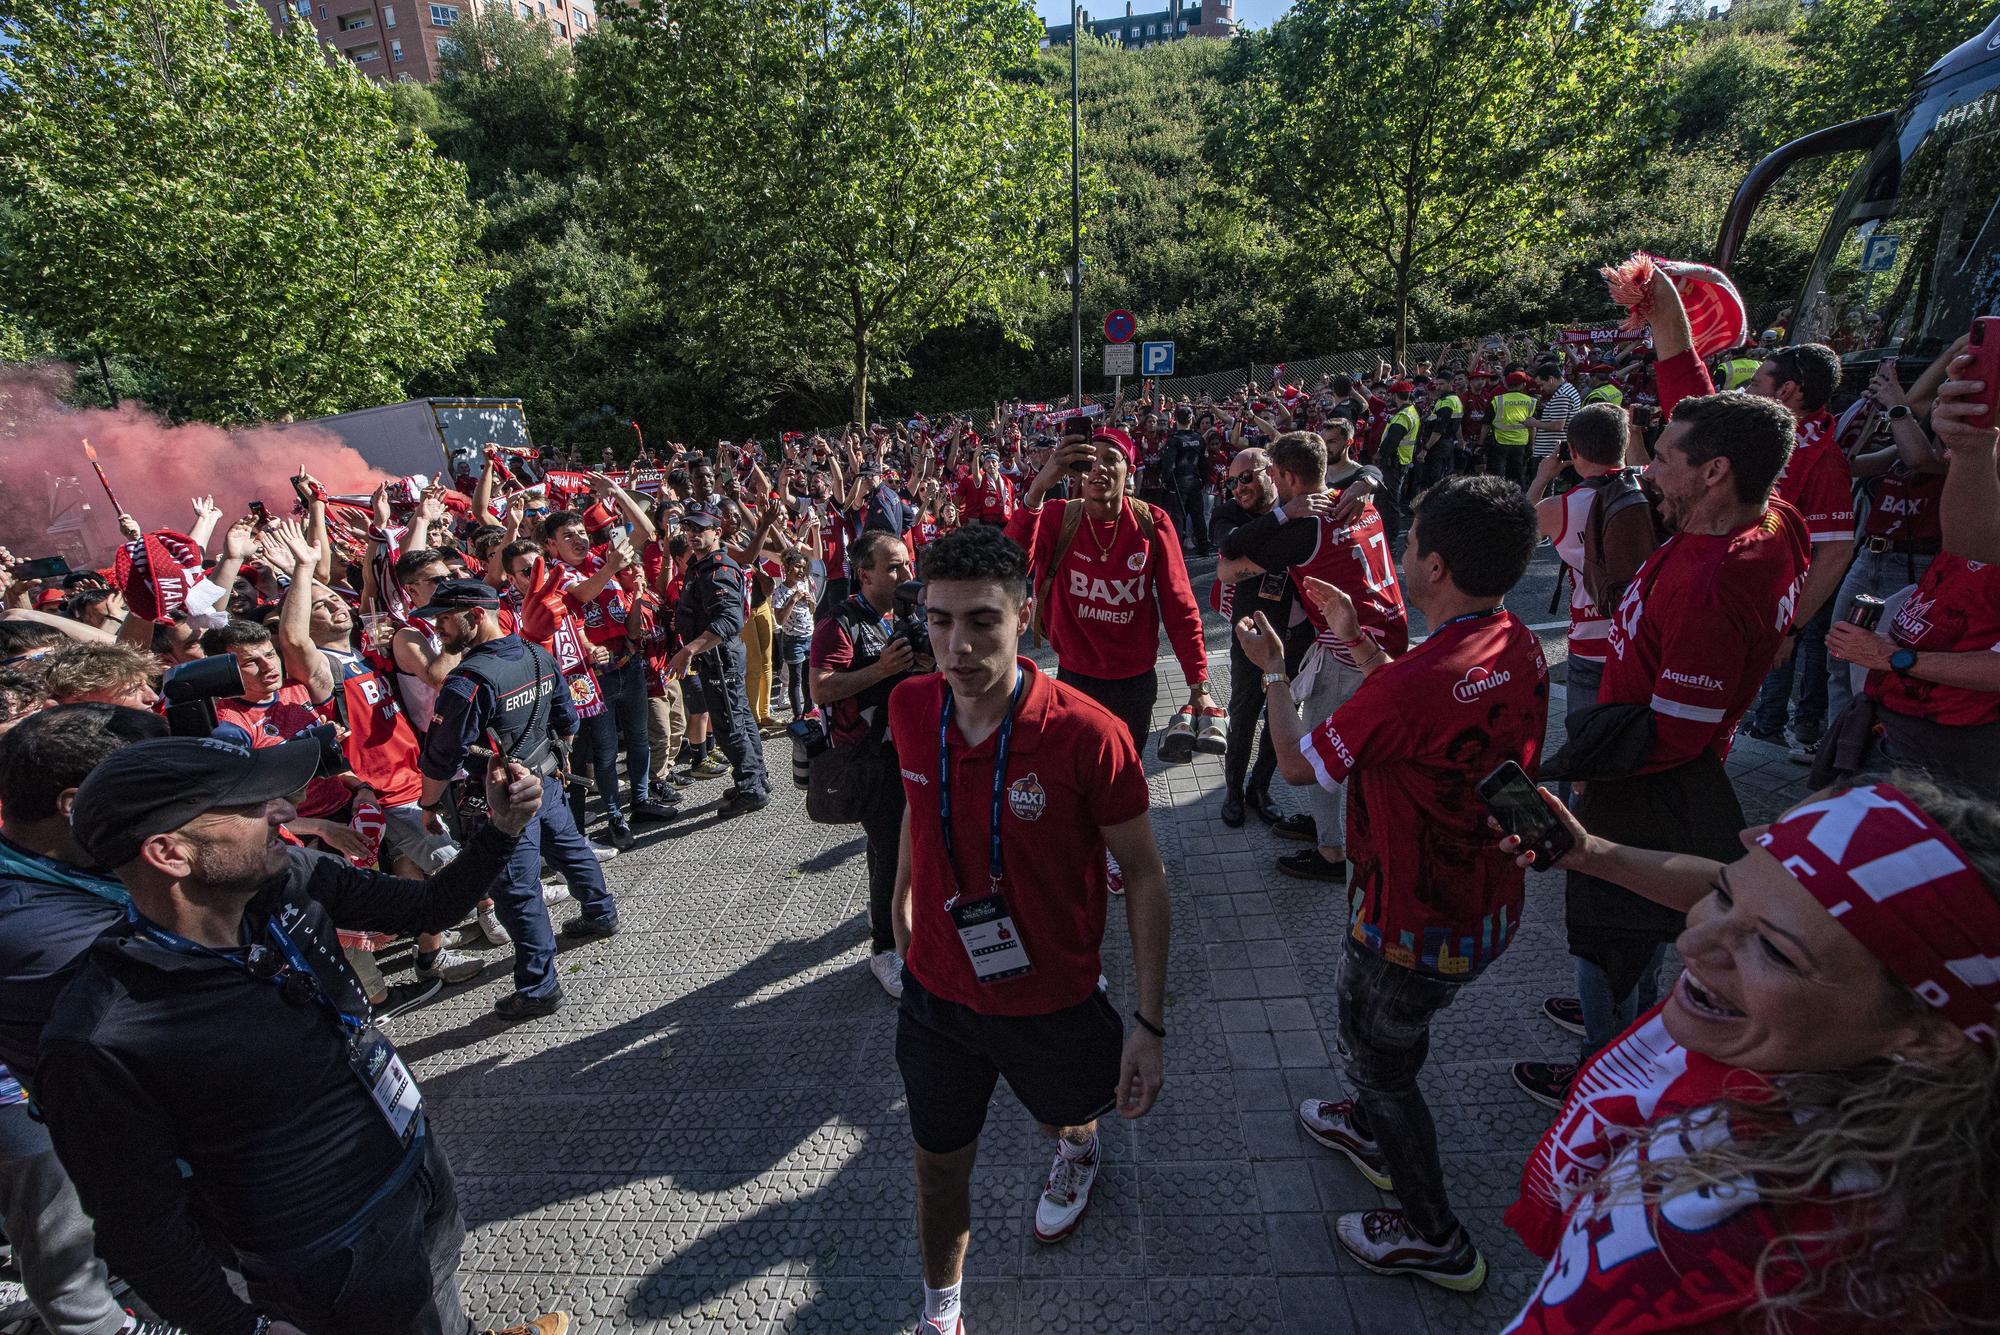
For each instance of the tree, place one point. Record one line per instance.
(194, 188)
(1862, 56)
(825, 181)
(506, 87)
(1414, 142)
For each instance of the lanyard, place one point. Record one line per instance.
(295, 962)
(1466, 616)
(994, 863)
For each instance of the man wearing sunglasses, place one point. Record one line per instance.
(1247, 492)
(213, 1079)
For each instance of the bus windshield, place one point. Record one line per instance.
(1913, 252)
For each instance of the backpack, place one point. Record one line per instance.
(1620, 501)
(1188, 457)
(1072, 520)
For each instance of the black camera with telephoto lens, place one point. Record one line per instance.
(912, 624)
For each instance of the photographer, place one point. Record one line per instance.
(213, 1076)
(858, 656)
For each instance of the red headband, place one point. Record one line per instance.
(1111, 435)
(1893, 878)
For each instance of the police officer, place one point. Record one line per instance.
(510, 692)
(1397, 453)
(1739, 366)
(1439, 450)
(709, 618)
(1507, 455)
(1603, 388)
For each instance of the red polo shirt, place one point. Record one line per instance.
(1071, 772)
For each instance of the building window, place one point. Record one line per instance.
(446, 48)
(363, 54)
(303, 8)
(527, 12)
(1183, 25)
(582, 23)
(405, 77)
(395, 49)
(356, 21)
(444, 15)
(322, 11)
(561, 31)
(388, 16)
(1152, 30)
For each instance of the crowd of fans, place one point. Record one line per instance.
(240, 761)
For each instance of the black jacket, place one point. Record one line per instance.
(154, 1059)
(711, 599)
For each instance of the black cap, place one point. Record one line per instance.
(701, 517)
(159, 785)
(456, 595)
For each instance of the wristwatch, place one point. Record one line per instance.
(1276, 679)
(1901, 661)
(1899, 412)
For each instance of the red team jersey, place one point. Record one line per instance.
(381, 746)
(1437, 895)
(1954, 609)
(279, 719)
(986, 500)
(1696, 631)
(1906, 506)
(1071, 772)
(1817, 482)
(1114, 592)
(1355, 559)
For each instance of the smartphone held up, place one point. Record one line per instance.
(1518, 805)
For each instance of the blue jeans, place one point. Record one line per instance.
(1807, 668)
(1385, 1035)
(517, 900)
(1605, 1016)
(625, 692)
(595, 753)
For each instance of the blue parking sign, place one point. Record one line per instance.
(1156, 359)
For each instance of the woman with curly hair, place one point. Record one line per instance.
(1806, 1134)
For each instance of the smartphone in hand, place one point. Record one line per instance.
(1522, 811)
(1984, 345)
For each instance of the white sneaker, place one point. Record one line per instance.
(1065, 1196)
(453, 967)
(926, 1326)
(557, 893)
(887, 966)
(602, 852)
(490, 928)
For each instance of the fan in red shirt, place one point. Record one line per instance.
(1436, 903)
(1689, 644)
(1108, 575)
(986, 496)
(1800, 1136)
(1935, 675)
(1017, 787)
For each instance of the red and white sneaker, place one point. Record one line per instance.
(1065, 1196)
(926, 1326)
(1114, 875)
(1332, 1125)
(1212, 731)
(1383, 1241)
(1177, 743)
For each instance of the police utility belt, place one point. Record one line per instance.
(986, 926)
(528, 744)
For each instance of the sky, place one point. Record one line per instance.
(1249, 13)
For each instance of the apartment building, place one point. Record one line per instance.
(1181, 18)
(400, 41)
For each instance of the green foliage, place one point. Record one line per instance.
(1853, 57)
(191, 186)
(1412, 142)
(506, 89)
(826, 181)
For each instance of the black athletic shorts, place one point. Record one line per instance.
(694, 698)
(1063, 1067)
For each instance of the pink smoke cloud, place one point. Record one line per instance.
(156, 468)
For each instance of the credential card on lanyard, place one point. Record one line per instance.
(387, 1080)
(992, 941)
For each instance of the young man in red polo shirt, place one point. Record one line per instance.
(1436, 905)
(1017, 786)
(1110, 571)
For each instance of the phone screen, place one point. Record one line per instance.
(1514, 801)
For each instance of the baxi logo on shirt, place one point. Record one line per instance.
(1477, 681)
(1026, 798)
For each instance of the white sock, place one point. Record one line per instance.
(941, 1306)
(1070, 1149)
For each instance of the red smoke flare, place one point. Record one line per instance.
(45, 480)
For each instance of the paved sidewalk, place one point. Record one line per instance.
(710, 1135)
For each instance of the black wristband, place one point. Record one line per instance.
(1149, 1026)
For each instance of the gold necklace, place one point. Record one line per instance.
(1104, 548)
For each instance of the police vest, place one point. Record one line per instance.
(1738, 370)
(1406, 417)
(525, 690)
(1605, 394)
(1511, 412)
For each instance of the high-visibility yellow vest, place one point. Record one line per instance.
(1452, 406)
(1406, 417)
(1605, 394)
(1738, 370)
(1510, 411)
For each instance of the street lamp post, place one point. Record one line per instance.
(1075, 216)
